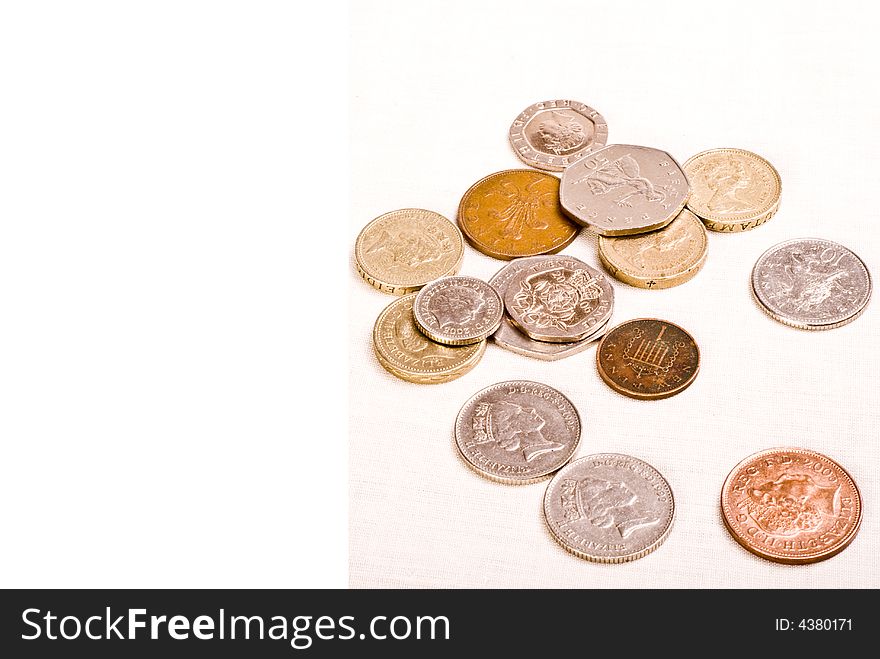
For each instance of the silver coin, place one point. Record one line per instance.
(517, 432)
(624, 189)
(510, 338)
(811, 283)
(551, 135)
(609, 508)
(458, 310)
(559, 299)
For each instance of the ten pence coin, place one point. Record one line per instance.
(648, 359)
(553, 134)
(457, 310)
(811, 284)
(609, 508)
(660, 259)
(401, 251)
(517, 432)
(791, 505)
(623, 189)
(515, 213)
(559, 299)
(408, 354)
(733, 189)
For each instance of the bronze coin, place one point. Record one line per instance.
(515, 213)
(791, 505)
(648, 358)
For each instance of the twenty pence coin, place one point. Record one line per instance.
(457, 310)
(609, 508)
(812, 284)
(648, 359)
(515, 213)
(791, 505)
(408, 354)
(733, 189)
(517, 432)
(559, 299)
(624, 189)
(553, 134)
(401, 251)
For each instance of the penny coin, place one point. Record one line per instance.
(621, 189)
(457, 310)
(791, 505)
(609, 508)
(660, 259)
(553, 134)
(401, 251)
(559, 299)
(811, 283)
(407, 353)
(648, 359)
(510, 338)
(517, 432)
(733, 189)
(515, 213)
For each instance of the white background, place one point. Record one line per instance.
(434, 90)
(172, 282)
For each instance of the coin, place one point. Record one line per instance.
(510, 338)
(401, 251)
(559, 299)
(623, 189)
(660, 259)
(609, 508)
(791, 505)
(407, 353)
(733, 189)
(553, 134)
(515, 213)
(457, 310)
(811, 283)
(517, 432)
(648, 359)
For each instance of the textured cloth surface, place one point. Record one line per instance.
(433, 92)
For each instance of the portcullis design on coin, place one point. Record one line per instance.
(812, 284)
(609, 508)
(648, 358)
(553, 134)
(517, 432)
(458, 311)
(624, 189)
(791, 505)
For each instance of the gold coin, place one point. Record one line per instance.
(401, 251)
(515, 213)
(659, 259)
(405, 352)
(732, 189)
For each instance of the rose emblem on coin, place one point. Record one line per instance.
(555, 300)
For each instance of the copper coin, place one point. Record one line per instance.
(515, 213)
(791, 505)
(553, 134)
(457, 311)
(648, 359)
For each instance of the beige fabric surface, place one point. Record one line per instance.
(433, 91)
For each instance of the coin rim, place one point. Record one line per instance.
(505, 256)
(639, 395)
(612, 559)
(530, 112)
(769, 211)
(803, 325)
(663, 281)
(405, 287)
(532, 478)
(767, 555)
